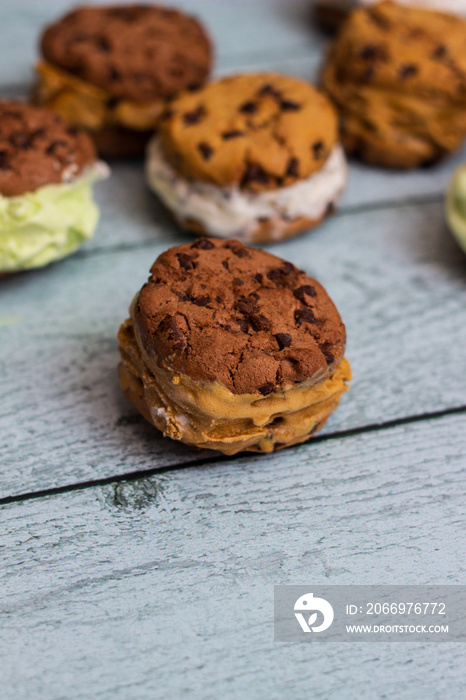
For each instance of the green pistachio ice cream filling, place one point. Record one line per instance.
(456, 206)
(39, 227)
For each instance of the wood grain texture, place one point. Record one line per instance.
(163, 587)
(396, 276)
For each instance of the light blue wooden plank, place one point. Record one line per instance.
(396, 276)
(163, 588)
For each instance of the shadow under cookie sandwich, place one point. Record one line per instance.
(398, 78)
(47, 169)
(232, 349)
(255, 157)
(111, 69)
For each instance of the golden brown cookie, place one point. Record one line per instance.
(250, 156)
(258, 131)
(398, 78)
(232, 348)
(111, 67)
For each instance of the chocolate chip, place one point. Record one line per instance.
(219, 300)
(259, 277)
(246, 306)
(206, 151)
(267, 389)
(248, 108)
(279, 275)
(329, 358)
(167, 114)
(40, 133)
(103, 44)
(302, 292)
(283, 340)
(238, 250)
(169, 327)
(374, 52)
(72, 130)
(20, 140)
(408, 70)
(200, 301)
(254, 173)
(54, 146)
(368, 53)
(203, 244)
(4, 164)
(318, 149)
(440, 52)
(268, 89)
(259, 322)
(233, 134)
(185, 261)
(293, 168)
(304, 316)
(288, 268)
(225, 264)
(194, 117)
(239, 282)
(114, 74)
(243, 324)
(289, 106)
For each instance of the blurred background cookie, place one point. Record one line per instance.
(455, 207)
(398, 78)
(233, 349)
(110, 70)
(331, 13)
(251, 156)
(46, 172)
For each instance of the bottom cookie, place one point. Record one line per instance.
(252, 217)
(208, 416)
(265, 231)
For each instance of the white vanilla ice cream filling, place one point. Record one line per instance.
(229, 211)
(454, 7)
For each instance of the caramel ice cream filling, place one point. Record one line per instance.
(90, 107)
(208, 415)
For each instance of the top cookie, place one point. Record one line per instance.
(138, 52)
(259, 131)
(38, 148)
(219, 311)
(398, 77)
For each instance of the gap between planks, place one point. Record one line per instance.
(350, 210)
(216, 457)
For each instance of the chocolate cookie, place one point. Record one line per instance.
(398, 78)
(38, 148)
(46, 172)
(113, 67)
(232, 348)
(227, 156)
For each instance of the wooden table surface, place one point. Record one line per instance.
(132, 567)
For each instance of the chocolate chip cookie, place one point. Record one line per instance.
(232, 349)
(110, 69)
(254, 156)
(46, 171)
(398, 78)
